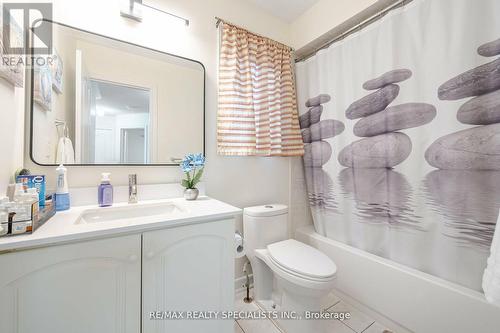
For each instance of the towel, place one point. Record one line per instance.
(491, 276)
(65, 151)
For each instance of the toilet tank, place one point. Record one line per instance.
(263, 225)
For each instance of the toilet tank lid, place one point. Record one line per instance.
(266, 210)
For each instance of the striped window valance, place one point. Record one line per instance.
(257, 112)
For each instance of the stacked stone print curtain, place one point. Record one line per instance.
(257, 114)
(408, 163)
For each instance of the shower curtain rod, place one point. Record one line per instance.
(219, 20)
(373, 18)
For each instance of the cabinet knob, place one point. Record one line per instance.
(132, 257)
(150, 255)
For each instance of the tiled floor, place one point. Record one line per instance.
(359, 322)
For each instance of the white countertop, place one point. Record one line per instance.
(62, 228)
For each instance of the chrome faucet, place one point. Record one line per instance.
(132, 189)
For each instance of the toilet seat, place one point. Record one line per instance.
(301, 260)
(291, 275)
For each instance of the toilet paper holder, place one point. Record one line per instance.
(239, 247)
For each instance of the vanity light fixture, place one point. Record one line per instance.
(132, 9)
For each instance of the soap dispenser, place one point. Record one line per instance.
(105, 191)
(62, 192)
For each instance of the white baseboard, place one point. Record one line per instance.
(239, 283)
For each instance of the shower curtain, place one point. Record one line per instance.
(401, 122)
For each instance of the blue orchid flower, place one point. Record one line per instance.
(186, 166)
(199, 160)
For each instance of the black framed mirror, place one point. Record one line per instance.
(97, 100)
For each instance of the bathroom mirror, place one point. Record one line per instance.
(101, 101)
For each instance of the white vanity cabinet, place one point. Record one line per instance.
(86, 287)
(189, 268)
(99, 286)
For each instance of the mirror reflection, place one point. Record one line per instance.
(118, 124)
(101, 101)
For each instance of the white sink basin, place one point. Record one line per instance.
(134, 211)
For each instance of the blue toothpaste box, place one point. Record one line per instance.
(34, 181)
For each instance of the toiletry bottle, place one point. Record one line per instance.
(4, 213)
(34, 200)
(22, 211)
(105, 191)
(62, 192)
(18, 192)
(4, 200)
(4, 218)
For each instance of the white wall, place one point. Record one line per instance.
(12, 132)
(323, 16)
(11, 129)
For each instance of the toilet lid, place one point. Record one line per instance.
(302, 259)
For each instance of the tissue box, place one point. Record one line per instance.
(34, 181)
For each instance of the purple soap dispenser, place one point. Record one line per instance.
(105, 191)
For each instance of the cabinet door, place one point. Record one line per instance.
(188, 268)
(88, 287)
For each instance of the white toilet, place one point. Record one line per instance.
(289, 276)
